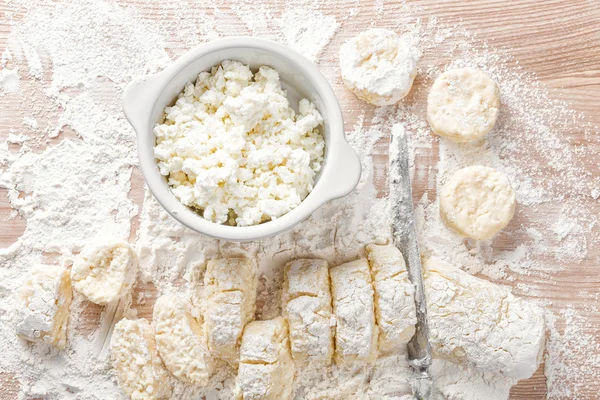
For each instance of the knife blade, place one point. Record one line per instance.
(404, 236)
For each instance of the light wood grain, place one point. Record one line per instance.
(557, 40)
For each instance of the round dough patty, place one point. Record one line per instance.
(477, 202)
(104, 271)
(378, 66)
(463, 104)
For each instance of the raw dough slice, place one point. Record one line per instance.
(353, 305)
(462, 382)
(463, 104)
(105, 271)
(230, 290)
(306, 301)
(139, 370)
(44, 301)
(480, 324)
(266, 369)
(181, 341)
(477, 202)
(394, 297)
(378, 66)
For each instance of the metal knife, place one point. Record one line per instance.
(404, 235)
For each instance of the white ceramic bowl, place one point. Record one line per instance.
(145, 99)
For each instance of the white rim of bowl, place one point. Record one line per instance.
(339, 176)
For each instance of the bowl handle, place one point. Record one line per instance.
(138, 100)
(348, 168)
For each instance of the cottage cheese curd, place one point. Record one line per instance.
(234, 149)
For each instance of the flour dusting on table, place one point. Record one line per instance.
(67, 170)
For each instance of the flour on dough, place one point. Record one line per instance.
(266, 369)
(395, 310)
(306, 305)
(476, 323)
(477, 202)
(105, 271)
(378, 66)
(44, 301)
(139, 370)
(230, 292)
(356, 332)
(463, 104)
(181, 341)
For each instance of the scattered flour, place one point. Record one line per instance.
(572, 340)
(307, 35)
(69, 177)
(301, 25)
(9, 80)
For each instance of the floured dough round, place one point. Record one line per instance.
(104, 271)
(137, 365)
(463, 104)
(477, 202)
(181, 341)
(379, 66)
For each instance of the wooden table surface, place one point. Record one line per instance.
(557, 40)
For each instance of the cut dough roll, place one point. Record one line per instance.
(139, 370)
(477, 202)
(394, 296)
(306, 303)
(104, 271)
(43, 305)
(478, 323)
(378, 66)
(266, 369)
(353, 305)
(230, 290)
(463, 104)
(181, 341)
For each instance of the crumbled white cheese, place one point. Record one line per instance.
(394, 296)
(233, 148)
(353, 305)
(105, 271)
(306, 303)
(230, 291)
(44, 302)
(266, 370)
(478, 323)
(181, 341)
(140, 372)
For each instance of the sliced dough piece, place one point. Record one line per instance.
(392, 377)
(44, 301)
(353, 305)
(266, 369)
(378, 66)
(139, 370)
(480, 324)
(477, 202)
(462, 382)
(105, 271)
(230, 290)
(463, 104)
(306, 303)
(181, 341)
(394, 297)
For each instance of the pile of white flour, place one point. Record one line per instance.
(68, 155)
